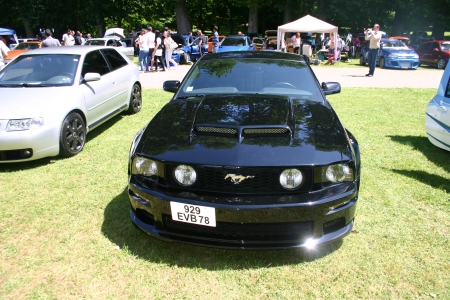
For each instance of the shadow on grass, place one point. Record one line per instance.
(436, 155)
(118, 228)
(92, 135)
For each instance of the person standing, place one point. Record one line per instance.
(68, 38)
(374, 45)
(215, 40)
(167, 43)
(202, 42)
(77, 38)
(297, 44)
(3, 53)
(141, 42)
(158, 51)
(150, 37)
(49, 40)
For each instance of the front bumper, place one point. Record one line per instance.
(275, 223)
(402, 63)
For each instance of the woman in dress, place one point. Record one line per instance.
(167, 42)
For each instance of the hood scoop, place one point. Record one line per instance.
(238, 132)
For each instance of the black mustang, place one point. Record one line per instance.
(248, 154)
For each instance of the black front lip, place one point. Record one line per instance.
(157, 204)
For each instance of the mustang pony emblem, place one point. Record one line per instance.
(236, 179)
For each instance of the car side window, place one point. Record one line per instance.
(94, 62)
(425, 47)
(447, 90)
(434, 45)
(115, 59)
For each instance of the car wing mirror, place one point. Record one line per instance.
(436, 49)
(171, 86)
(331, 88)
(91, 77)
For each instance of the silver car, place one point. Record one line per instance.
(52, 97)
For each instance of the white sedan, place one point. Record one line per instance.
(437, 122)
(52, 97)
(111, 41)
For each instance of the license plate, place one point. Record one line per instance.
(194, 214)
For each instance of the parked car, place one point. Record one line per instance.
(221, 37)
(247, 154)
(52, 97)
(437, 123)
(111, 41)
(187, 51)
(258, 43)
(21, 48)
(434, 53)
(392, 54)
(236, 43)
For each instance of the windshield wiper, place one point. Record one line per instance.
(191, 96)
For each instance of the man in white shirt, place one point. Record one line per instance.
(150, 37)
(3, 53)
(68, 38)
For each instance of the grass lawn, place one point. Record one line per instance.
(66, 233)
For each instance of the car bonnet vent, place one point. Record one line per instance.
(256, 131)
(218, 130)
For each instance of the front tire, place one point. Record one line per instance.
(186, 58)
(441, 64)
(361, 60)
(135, 104)
(382, 63)
(72, 136)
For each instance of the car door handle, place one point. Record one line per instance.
(442, 109)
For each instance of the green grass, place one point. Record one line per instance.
(66, 233)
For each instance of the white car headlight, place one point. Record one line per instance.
(144, 166)
(24, 124)
(337, 173)
(291, 179)
(185, 175)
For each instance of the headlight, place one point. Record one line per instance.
(337, 173)
(415, 56)
(185, 175)
(291, 179)
(144, 166)
(24, 124)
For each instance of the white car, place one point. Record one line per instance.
(52, 97)
(111, 41)
(437, 122)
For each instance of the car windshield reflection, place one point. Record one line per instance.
(47, 69)
(251, 76)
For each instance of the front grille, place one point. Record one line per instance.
(236, 231)
(251, 180)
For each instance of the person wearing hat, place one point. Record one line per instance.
(215, 40)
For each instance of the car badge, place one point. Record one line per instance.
(236, 179)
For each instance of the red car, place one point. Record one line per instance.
(434, 53)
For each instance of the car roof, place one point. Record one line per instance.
(79, 50)
(253, 54)
(106, 38)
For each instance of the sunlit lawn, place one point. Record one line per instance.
(65, 230)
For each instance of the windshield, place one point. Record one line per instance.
(27, 46)
(445, 46)
(233, 41)
(40, 70)
(251, 76)
(394, 44)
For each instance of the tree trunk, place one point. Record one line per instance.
(183, 23)
(27, 26)
(253, 20)
(287, 16)
(438, 31)
(100, 27)
(399, 21)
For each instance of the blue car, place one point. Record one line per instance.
(236, 43)
(392, 54)
(188, 49)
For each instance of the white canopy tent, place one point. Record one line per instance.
(306, 24)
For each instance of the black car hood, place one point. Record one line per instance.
(214, 130)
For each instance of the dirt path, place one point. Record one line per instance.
(347, 77)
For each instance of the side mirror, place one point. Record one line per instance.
(91, 77)
(436, 49)
(171, 86)
(331, 88)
